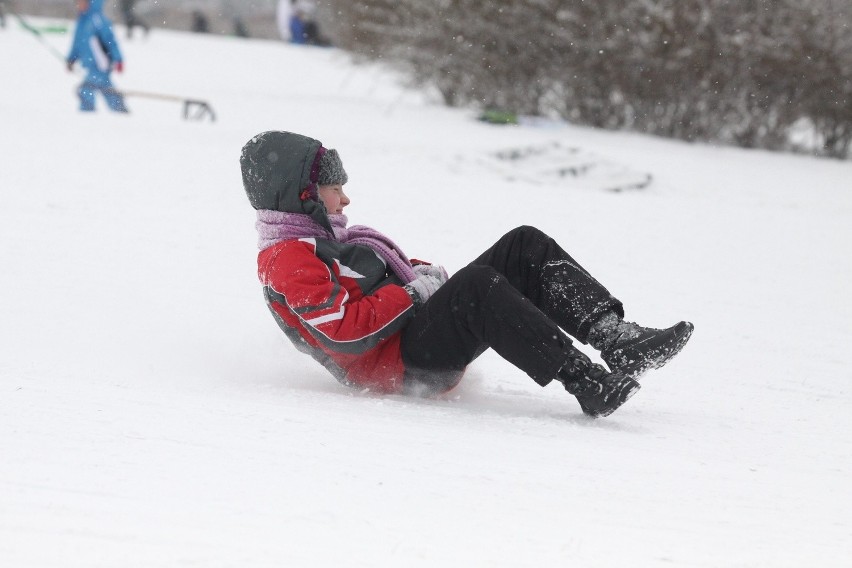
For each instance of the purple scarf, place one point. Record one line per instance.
(277, 226)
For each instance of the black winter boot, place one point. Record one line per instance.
(632, 349)
(599, 393)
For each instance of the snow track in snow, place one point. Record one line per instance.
(559, 165)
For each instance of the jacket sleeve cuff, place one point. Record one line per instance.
(416, 300)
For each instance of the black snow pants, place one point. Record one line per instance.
(520, 297)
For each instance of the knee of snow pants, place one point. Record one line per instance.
(556, 283)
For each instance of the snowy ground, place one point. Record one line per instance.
(152, 414)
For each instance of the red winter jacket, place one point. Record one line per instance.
(342, 305)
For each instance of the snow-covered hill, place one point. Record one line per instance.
(152, 414)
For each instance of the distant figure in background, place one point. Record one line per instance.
(2, 14)
(237, 13)
(297, 24)
(97, 50)
(200, 24)
(131, 20)
(240, 28)
(282, 18)
(304, 29)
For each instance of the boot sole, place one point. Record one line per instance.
(664, 354)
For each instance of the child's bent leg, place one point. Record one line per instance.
(556, 283)
(479, 308)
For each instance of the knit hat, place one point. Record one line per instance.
(331, 169)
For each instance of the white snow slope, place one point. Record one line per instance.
(152, 413)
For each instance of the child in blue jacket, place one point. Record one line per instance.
(97, 50)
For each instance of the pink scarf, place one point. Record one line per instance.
(276, 226)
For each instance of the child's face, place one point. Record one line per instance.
(82, 5)
(334, 198)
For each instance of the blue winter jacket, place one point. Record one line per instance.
(94, 43)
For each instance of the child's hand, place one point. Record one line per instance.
(421, 288)
(431, 270)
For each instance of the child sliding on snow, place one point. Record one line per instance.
(349, 297)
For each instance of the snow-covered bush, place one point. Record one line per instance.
(732, 71)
